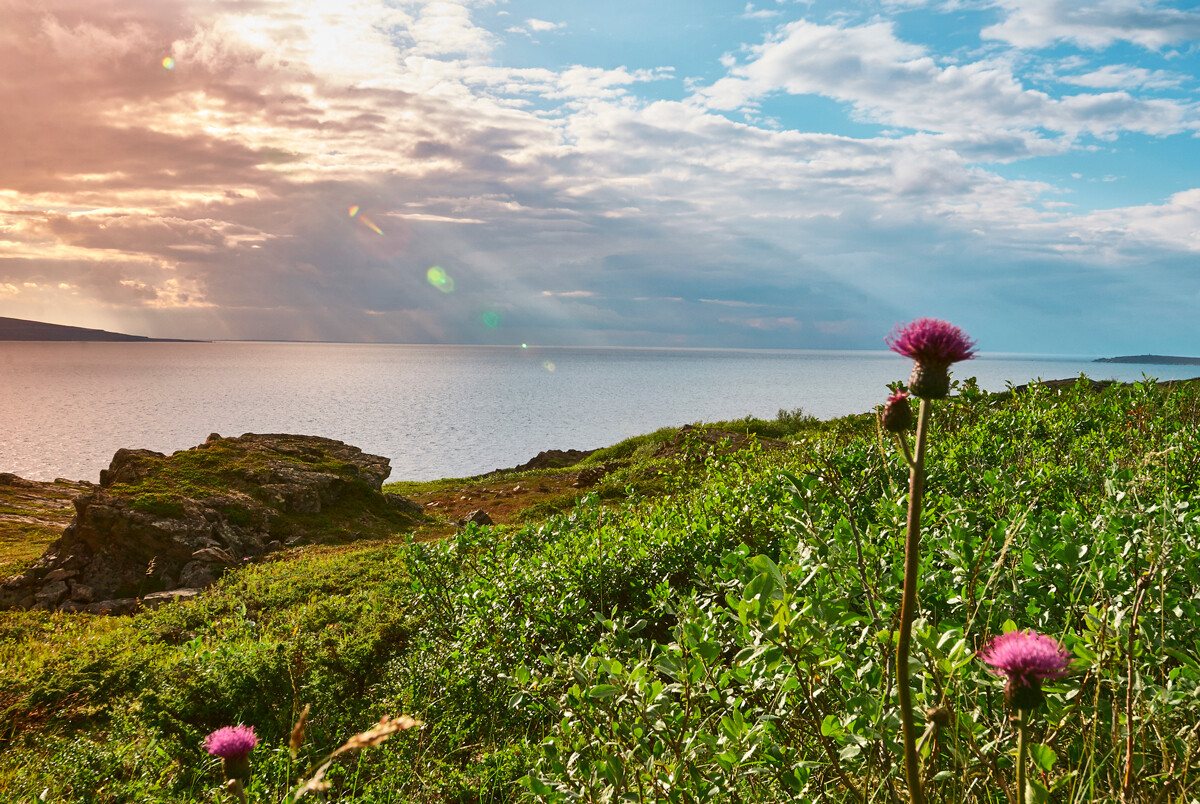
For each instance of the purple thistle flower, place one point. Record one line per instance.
(933, 345)
(1026, 659)
(231, 742)
(928, 340)
(233, 745)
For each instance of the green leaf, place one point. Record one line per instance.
(766, 565)
(536, 785)
(1043, 755)
(1181, 656)
(603, 691)
(1035, 793)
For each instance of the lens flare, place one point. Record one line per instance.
(441, 280)
(367, 222)
(548, 366)
(524, 346)
(168, 63)
(491, 320)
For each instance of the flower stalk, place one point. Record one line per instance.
(908, 606)
(933, 346)
(233, 745)
(1021, 721)
(1026, 659)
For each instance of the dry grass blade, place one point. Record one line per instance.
(386, 728)
(316, 783)
(297, 738)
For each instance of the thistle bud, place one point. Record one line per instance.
(939, 715)
(897, 413)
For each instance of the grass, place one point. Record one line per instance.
(701, 626)
(30, 519)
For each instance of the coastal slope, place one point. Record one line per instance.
(19, 329)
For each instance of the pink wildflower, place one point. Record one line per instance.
(928, 340)
(231, 742)
(233, 745)
(933, 345)
(1026, 659)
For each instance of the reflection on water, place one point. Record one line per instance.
(435, 411)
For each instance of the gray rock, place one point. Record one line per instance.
(214, 555)
(197, 574)
(156, 599)
(591, 475)
(81, 593)
(125, 605)
(405, 505)
(50, 594)
(479, 517)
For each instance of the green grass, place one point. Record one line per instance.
(722, 632)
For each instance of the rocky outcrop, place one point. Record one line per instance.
(161, 527)
(591, 475)
(548, 459)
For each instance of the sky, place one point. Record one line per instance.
(695, 173)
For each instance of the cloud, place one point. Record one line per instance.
(752, 13)
(580, 204)
(1124, 76)
(729, 302)
(543, 25)
(897, 83)
(1094, 25)
(766, 324)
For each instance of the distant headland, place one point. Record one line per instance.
(18, 329)
(1157, 360)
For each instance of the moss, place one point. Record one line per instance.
(158, 504)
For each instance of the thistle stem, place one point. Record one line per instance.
(1022, 723)
(908, 607)
(235, 788)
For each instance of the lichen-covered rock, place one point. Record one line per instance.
(158, 523)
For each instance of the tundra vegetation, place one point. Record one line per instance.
(706, 624)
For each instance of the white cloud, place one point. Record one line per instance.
(1125, 76)
(752, 13)
(897, 83)
(543, 25)
(1095, 24)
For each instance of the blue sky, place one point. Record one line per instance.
(775, 174)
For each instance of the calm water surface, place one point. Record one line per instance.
(435, 411)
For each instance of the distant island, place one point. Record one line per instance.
(18, 329)
(1157, 360)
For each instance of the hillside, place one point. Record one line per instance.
(712, 621)
(1153, 360)
(18, 329)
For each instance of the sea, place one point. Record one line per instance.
(434, 411)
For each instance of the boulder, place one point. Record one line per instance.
(591, 475)
(158, 526)
(479, 517)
